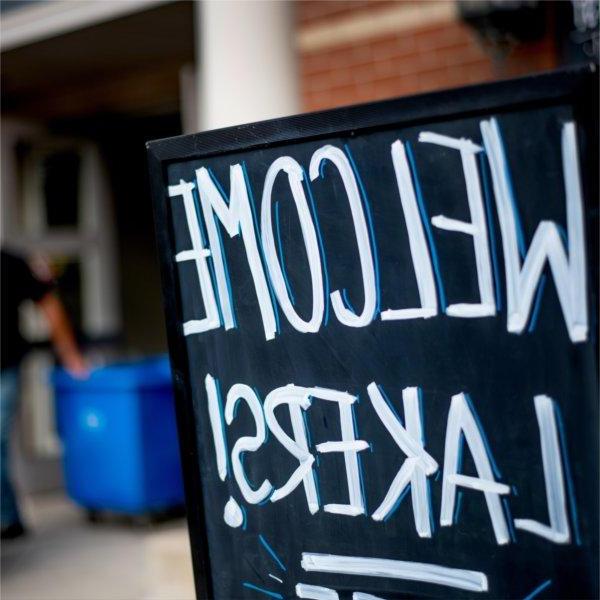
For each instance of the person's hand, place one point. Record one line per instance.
(63, 340)
(75, 364)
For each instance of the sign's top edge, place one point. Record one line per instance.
(399, 110)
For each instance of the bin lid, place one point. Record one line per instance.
(146, 373)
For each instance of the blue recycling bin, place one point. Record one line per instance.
(119, 438)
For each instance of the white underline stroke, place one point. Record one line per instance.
(474, 581)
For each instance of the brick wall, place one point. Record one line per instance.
(356, 51)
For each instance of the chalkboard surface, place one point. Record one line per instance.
(382, 325)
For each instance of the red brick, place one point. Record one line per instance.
(433, 57)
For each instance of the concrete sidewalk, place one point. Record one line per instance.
(66, 558)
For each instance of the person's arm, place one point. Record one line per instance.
(62, 336)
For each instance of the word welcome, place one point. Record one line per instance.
(523, 267)
(463, 432)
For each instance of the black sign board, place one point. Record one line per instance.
(382, 324)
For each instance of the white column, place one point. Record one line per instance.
(246, 61)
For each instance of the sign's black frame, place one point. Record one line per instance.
(578, 86)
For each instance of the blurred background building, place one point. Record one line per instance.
(86, 82)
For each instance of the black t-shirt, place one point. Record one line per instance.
(19, 283)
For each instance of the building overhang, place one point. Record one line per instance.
(34, 22)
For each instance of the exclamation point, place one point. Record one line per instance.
(233, 513)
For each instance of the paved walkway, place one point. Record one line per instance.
(66, 558)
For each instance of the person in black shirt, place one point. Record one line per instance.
(20, 283)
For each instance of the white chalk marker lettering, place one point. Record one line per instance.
(298, 399)
(418, 463)
(238, 392)
(462, 579)
(462, 422)
(350, 446)
(216, 424)
(236, 218)
(341, 162)
(477, 228)
(315, 592)
(418, 244)
(199, 254)
(311, 243)
(232, 514)
(558, 531)
(569, 273)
